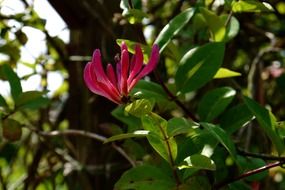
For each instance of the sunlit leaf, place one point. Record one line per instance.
(226, 73)
(199, 66)
(173, 28)
(140, 107)
(215, 23)
(135, 134)
(158, 138)
(251, 6)
(198, 161)
(177, 126)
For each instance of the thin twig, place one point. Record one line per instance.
(247, 174)
(262, 156)
(174, 98)
(74, 132)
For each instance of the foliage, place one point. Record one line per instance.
(209, 117)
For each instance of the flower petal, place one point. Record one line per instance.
(124, 71)
(111, 74)
(136, 64)
(153, 60)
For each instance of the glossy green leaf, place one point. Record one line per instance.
(145, 177)
(215, 23)
(11, 129)
(177, 126)
(140, 107)
(158, 138)
(135, 134)
(280, 126)
(267, 122)
(215, 102)
(173, 28)
(198, 161)
(226, 73)
(232, 28)
(149, 90)
(222, 137)
(199, 66)
(251, 6)
(14, 81)
(235, 118)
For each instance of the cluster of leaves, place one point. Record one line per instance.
(215, 94)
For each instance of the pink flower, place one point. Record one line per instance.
(116, 85)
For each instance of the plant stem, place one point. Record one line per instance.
(247, 174)
(262, 156)
(174, 98)
(74, 132)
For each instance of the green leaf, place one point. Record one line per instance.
(173, 28)
(3, 101)
(235, 118)
(145, 177)
(177, 126)
(267, 122)
(158, 138)
(215, 102)
(198, 161)
(232, 28)
(11, 129)
(226, 73)
(14, 81)
(135, 15)
(132, 121)
(138, 133)
(199, 66)
(149, 90)
(28, 97)
(140, 107)
(222, 137)
(251, 6)
(215, 23)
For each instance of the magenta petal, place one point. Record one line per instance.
(137, 64)
(153, 60)
(111, 75)
(124, 71)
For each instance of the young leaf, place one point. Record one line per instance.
(199, 66)
(138, 133)
(14, 81)
(226, 73)
(173, 28)
(235, 118)
(132, 121)
(215, 102)
(198, 161)
(140, 107)
(222, 137)
(158, 138)
(216, 25)
(251, 6)
(267, 122)
(145, 177)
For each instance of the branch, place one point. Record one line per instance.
(74, 132)
(262, 156)
(249, 173)
(174, 98)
